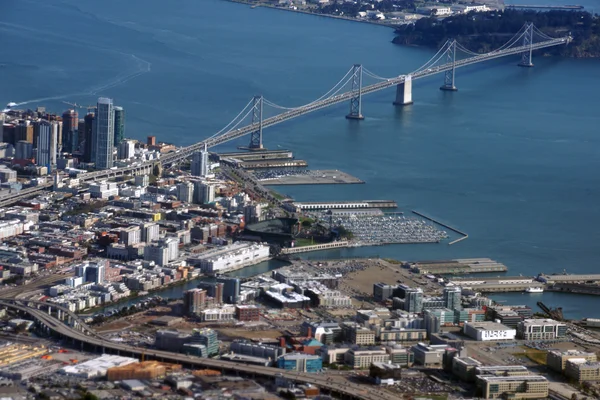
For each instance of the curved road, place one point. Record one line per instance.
(332, 383)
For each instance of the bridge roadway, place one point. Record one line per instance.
(330, 382)
(186, 152)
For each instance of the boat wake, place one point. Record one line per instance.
(142, 67)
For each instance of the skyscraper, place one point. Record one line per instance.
(452, 297)
(104, 134)
(231, 289)
(88, 139)
(46, 143)
(70, 134)
(199, 165)
(194, 301)
(185, 192)
(23, 150)
(204, 193)
(119, 125)
(413, 302)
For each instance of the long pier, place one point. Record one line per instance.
(547, 6)
(463, 234)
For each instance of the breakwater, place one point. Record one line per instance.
(464, 235)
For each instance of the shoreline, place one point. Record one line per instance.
(255, 5)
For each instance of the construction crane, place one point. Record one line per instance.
(75, 105)
(554, 313)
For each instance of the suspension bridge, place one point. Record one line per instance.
(451, 56)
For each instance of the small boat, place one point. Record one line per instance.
(534, 290)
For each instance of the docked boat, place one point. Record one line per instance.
(534, 290)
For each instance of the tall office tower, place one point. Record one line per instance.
(452, 297)
(200, 162)
(88, 123)
(70, 135)
(46, 144)
(104, 134)
(23, 150)
(204, 193)
(24, 131)
(81, 130)
(413, 302)
(185, 192)
(194, 301)
(119, 125)
(231, 289)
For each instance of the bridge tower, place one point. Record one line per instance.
(526, 60)
(355, 101)
(449, 74)
(404, 92)
(256, 142)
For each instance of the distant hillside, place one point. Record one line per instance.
(483, 32)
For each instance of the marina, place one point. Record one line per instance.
(264, 164)
(344, 205)
(390, 228)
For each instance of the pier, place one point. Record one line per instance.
(258, 155)
(344, 205)
(316, 247)
(316, 177)
(273, 164)
(460, 266)
(463, 234)
(498, 285)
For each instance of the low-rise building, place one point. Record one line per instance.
(557, 359)
(359, 358)
(465, 368)
(300, 362)
(429, 355)
(582, 370)
(516, 387)
(541, 329)
(488, 331)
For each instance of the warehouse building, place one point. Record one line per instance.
(97, 367)
(582, 370)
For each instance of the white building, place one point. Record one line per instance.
(103, 190)
(97, 367)
(435, 10)
(150, 232)
(225, 313)
(489, 331)
(204, 193)
(232, 257)
(130, 235)
(467, 8)
(11, 228)
(199, 165)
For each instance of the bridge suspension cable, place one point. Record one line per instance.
(228, 127)
(331, 92)
(375, 76)
(436, 57)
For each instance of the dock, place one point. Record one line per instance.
(498, 284)
(344, 205)
(258, 155)
(316, 177)
(273, 164)
(459, 266)
(316, 247)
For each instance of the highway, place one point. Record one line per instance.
(328, 382)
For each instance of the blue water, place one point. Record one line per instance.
(511, 158)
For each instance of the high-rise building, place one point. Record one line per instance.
(88, 153)
(231, 289)
(119, 125)
(150, 232)
(185, 192)
(413, 302)
(24, 131)
(213, 289)
(199, 165)
(204, 192)
(208, 338)
(130, 235)
(103, 134)
(157, 253)
(23, 150)
(194, 300)
(47, 143)
(452, 298)
(126, 150)
(70, 133)
(151, 141)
